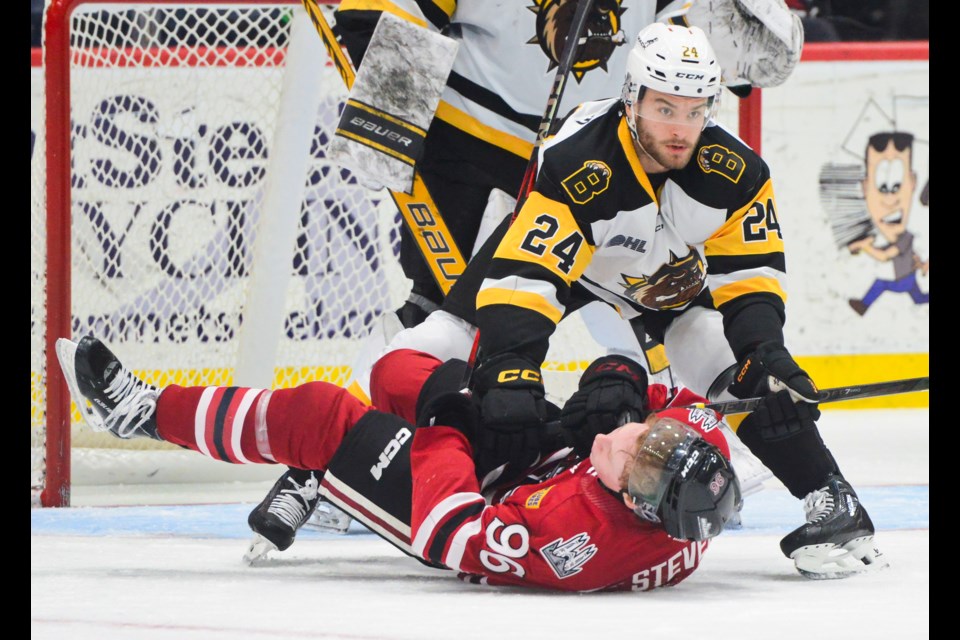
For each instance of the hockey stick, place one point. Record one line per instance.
(836, 394)
(418, 209)
(570, 48)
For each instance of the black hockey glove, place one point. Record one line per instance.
(770, 368)
(441, 401)
(451, 409)
(778, 417)
(611, 388)
(512, 408)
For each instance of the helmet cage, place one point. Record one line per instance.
(682, 481)
(663, 449)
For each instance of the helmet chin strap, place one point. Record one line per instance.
(636, 141)
(632, 125)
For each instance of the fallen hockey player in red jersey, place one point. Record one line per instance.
(632, 509)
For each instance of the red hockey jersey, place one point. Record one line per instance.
(566, 532)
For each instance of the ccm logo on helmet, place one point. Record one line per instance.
(691, 460)
(690, 76)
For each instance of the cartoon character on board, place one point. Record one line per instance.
(888, 189)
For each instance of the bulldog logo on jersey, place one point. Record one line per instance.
(673, 285)
(604, 33)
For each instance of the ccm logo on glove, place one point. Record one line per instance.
(511, 375)
(616, 367)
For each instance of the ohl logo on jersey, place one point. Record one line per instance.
(604, 33)
(673, 285)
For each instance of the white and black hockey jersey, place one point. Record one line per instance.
(509, 52)
(594, 219)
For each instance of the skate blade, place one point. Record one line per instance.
(258, 550)
(833, 562)
(66, 354)
(327, 518)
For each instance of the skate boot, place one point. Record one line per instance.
(121, 403)
(275, 521)
(837, 540)
(329, 519)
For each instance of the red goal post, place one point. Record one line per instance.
(179, 185)
(182, 140)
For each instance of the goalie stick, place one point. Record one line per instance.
(836, 394)
(419, 211)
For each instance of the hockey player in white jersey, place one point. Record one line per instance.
(647, 204)
(478, 145)
(483, 132)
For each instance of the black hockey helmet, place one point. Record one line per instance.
(684, 482)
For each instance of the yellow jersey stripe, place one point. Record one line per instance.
(523, 299)
(467, 123)
(728, 292)
(382, 5)
(626, 140)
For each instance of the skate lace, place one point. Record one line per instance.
(818, 505)
(136, 400)
(292, 505)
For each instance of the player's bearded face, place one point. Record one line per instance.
(668, 127)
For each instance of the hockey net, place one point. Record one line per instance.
(184, 211)
(189, 153)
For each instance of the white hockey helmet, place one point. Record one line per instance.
(672, 59)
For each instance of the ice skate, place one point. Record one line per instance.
(328, 519)
(837, 540)
(121, 403)
(275, 521)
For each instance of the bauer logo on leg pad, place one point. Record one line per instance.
(381, 131)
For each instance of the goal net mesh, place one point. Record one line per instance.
(175, 117)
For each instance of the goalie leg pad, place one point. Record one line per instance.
(381, 334)
(382, 129)
(442, 335)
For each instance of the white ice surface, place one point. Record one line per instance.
(175, 571)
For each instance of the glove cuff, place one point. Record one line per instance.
(508, 371)
(769, 362)
(616, 366)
